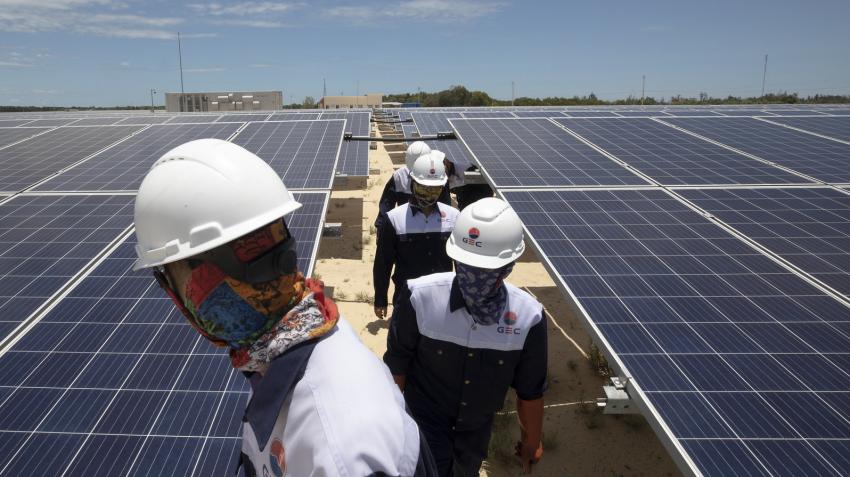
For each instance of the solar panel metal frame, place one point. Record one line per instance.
(685, 463)
(789, 122)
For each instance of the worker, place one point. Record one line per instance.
(210, 223)
(397, 191)
(459, 340)
(414, 236)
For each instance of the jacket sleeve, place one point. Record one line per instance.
(386, 203)
(385, 255)
(444, 196)
(403, 337)
(530, 376)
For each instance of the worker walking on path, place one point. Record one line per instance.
(210, 222)
(397, 191)
(414, 236)
(457, 341)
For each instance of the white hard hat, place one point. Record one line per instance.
(487, 234)
(414, 150)
(203, 194)
(429, 170)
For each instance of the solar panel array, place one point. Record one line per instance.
(720, 288)
(95, 361)
(113, 370)
(837, 127)
(354, 155)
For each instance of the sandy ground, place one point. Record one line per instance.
(578, 440)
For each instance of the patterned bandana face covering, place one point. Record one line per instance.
(258, 321)
(483, 291)
(424, 196)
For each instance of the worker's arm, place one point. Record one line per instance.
(385, 256)
(386, 203)
(402, 340)
(530, 383)
(444, 195)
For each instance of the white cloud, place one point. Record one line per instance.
(15, 64)
(248, 23)
(260, 65)
(98, 17)
(443, 11)
(244, 8)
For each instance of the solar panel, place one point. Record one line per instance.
(304, 153)
(590, 114)
(742, 112)
(194, 118)
(409, 130)
(50, 122)
(538, 114)
(124, 166)
(432, 123)
(293, 116)
(10, 123)
(114, 380)
(808, 227)
(235, 118)
(98, 121)
(153, 119)
(729, 352)
(354, 155)
(46, 240)
(811, 155)
(837, 127)
(33, 160)
(487, 114)
(12, 135)
(537, 153)
(673, 157)
(686, 112)
(642, 114)
(793, 112)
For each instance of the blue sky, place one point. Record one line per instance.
(112, 52)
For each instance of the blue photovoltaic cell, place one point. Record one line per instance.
(294, 116)
(45, 240)
(189, 118)
(673, 157)
(792, 112)
(643, 114)
(354, 155)
(432, 123)
(154, 119)
(820, 158)
(35, 159)
(808, 227)
(536, 152)
(837, 127)
(409, 130)
(742, 112)
(113, 381)
(124, 166)
(12, 135)
(538, 114)
(686, 112)
(744, 361)
(10, 123)
(108, 121)
(304, 153)
(487, 114)
(50, 122)
(237, 118)
(588, 114)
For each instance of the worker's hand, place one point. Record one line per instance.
(381, 312)
(528, 454)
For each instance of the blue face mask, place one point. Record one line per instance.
(483, 291)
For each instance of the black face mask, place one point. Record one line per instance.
(282, 259)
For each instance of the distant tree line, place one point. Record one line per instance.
(23, 109)
(460, 96)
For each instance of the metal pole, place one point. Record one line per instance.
(764, 76)
(642, 88)
(153, 91)
(513, 93)
(180, 56)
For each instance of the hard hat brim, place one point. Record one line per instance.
(473, 259)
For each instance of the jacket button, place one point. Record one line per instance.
(439, 351)
(501, 362)
(463, 403)
(470, 354)
(465, 381)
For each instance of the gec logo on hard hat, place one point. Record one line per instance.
(472, 239)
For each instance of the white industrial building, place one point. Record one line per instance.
(224, 101)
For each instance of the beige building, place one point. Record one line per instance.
(224, 101)
(371, 100)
